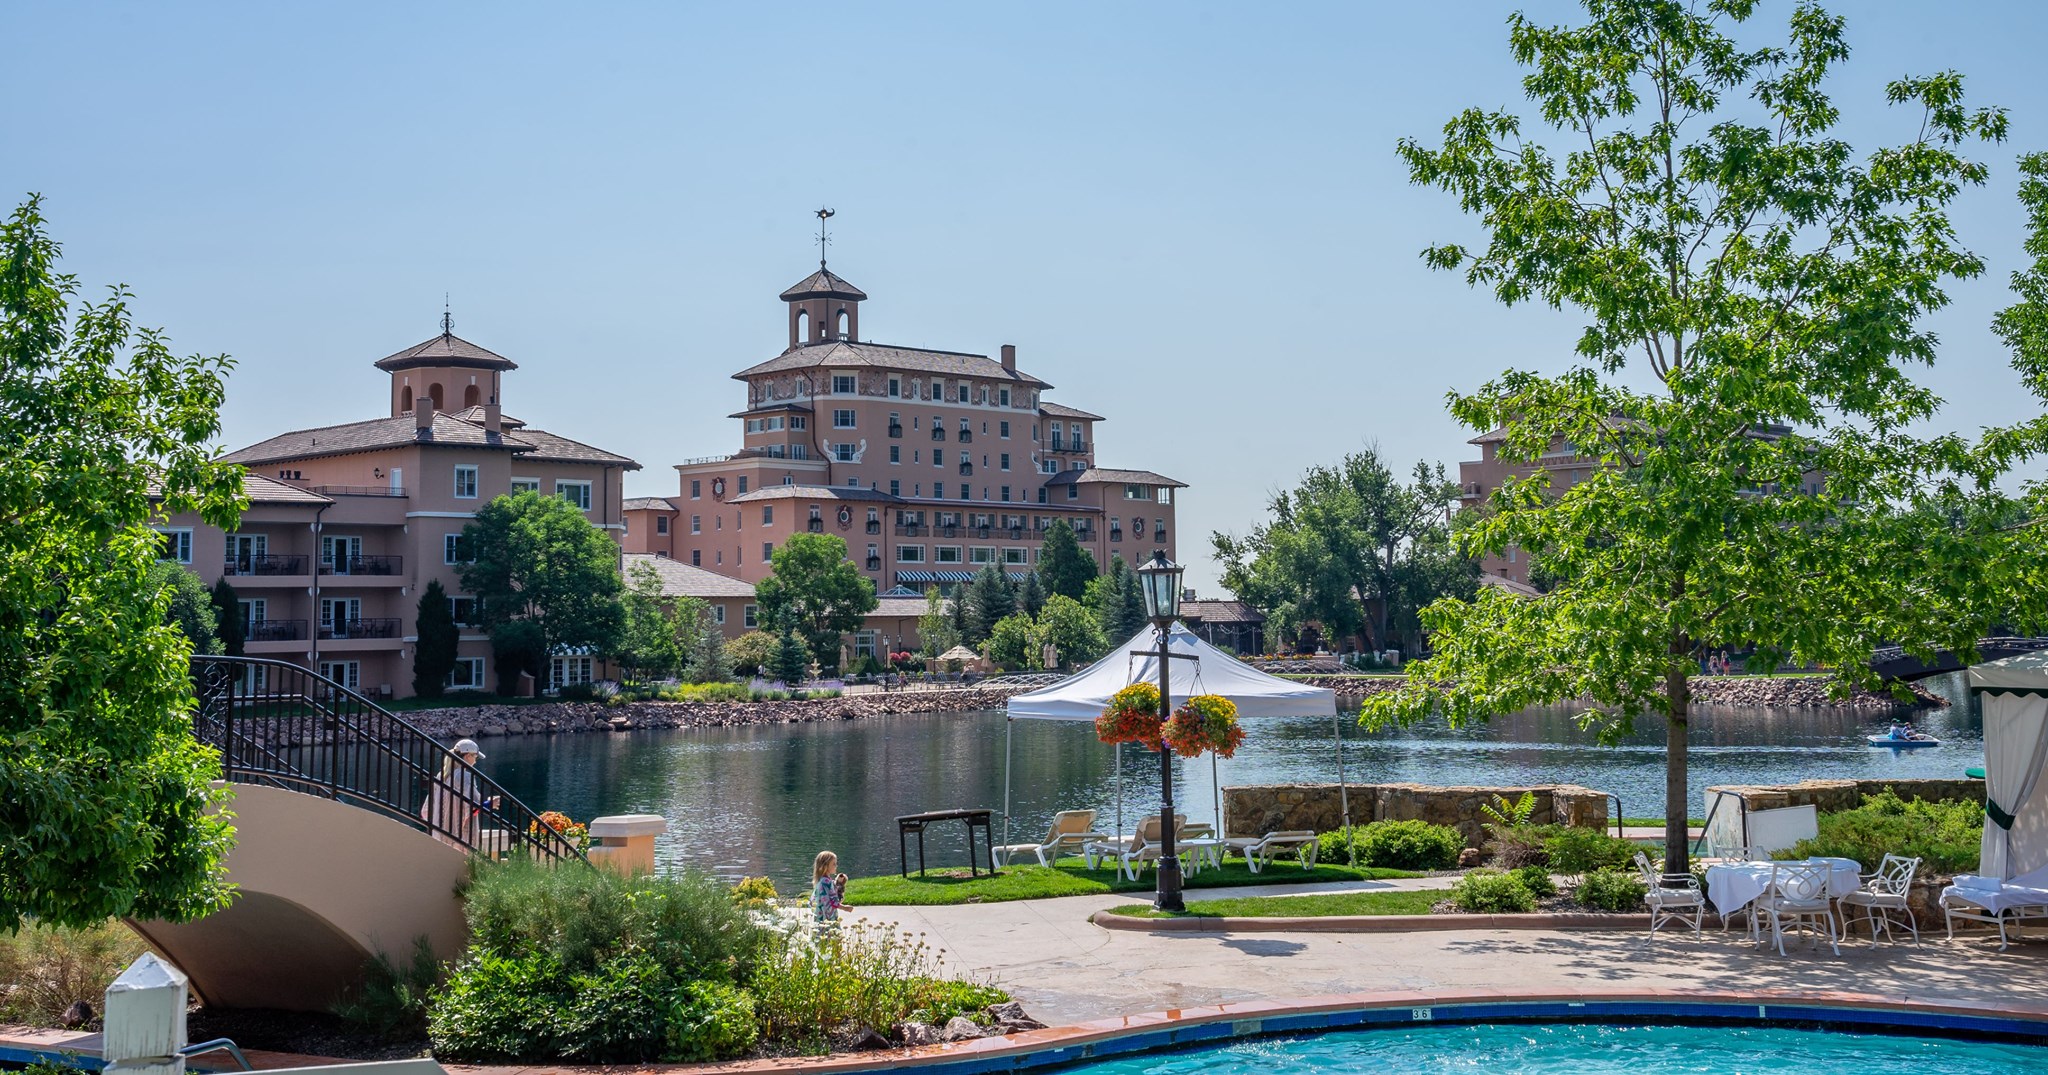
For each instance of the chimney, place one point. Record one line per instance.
(423, 418)
(494, 418)
(1010, 357)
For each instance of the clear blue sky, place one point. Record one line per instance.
(1189, 217)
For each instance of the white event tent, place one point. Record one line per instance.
(2014, 693)
(1083, 695)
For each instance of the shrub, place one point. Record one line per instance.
(1394, 845)
(44, 970)
(392, 1001)
(862, 975)
(617, 1012)
(706, 692)
(753, 890)
(1945, 836)
(1612, 890)
(1489, 892)
(1579, 851)
(582, 917)
(498, 1007)
(1512, 847)
(710, 1021)
(751, 652)
(1537, 880)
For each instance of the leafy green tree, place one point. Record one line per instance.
(815, 590)
(105, 795)
(1066, 567)
(989, 599)
(1352, 548)
(518, 648)
(189, 607)
(1014, 642)
(1072, 629)
(433, 656)
(703, 640)
(651, 642)
(1753, 294)
(227, 615)
(752, 653)
(536, 559)
(792, 659)
(935, 631)
(1030, 595)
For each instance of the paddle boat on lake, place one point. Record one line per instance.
(1901, 737)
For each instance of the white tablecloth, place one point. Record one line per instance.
(1733, 886)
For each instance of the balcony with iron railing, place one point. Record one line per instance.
(938, 433)
(910, 529)
(874, 563)
(815, 526)
(363, 565)
(1116, 533)
(896, 430)
(366, 627)
(274, 631)
(966, 436)
(967, 468)
(874, 526)
(253, 566)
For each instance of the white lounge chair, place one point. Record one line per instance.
(1885, 892)
(1259, 851)
(1072, 831)
(1798, 895)
(1672, 898)
(1131, 855)
(1999, 903)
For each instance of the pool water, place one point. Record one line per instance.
(1587, 1049)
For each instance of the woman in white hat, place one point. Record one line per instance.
(453, 803)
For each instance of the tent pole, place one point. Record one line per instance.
(1009, 725)
(1119, 791)
(1343, 791)
(1216, 789)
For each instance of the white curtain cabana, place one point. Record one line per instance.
(1082, 696)
(2014, 693)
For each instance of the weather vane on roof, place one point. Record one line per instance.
(823, 215)
(447, 316)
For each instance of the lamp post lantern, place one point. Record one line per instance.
(1160, 581)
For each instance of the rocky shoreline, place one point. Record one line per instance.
(1791, 692)
(560, 717)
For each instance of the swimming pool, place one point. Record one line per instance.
(1585, 1049)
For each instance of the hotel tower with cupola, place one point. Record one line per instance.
(930, 464)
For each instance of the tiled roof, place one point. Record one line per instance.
(1056, 410)
(262, 490)
(646, 503)
(549, 448)
(1218, 611)
(679, 579)
(476, 414)
(902, 608)
(446, 349)
(372, 435)
(816, 492)
(772, 408)
(1120, 477)
(1519, 589)
(823, 282)
(849, 354)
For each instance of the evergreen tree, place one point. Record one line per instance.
(433, 656)
(1065, 565)
(935, 631)
(190, 607)
(792, 659)
(1104, 596)
(704, 648)
(1131, 593)
(227, 613)
(989, 598)
(1030, 595)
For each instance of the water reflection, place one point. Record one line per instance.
(765, 799)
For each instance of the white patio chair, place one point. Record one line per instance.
(1260, 851)
(1131, 855)
(1798, 894)
(1672, 898)
(1883, 893)
(1071, 831)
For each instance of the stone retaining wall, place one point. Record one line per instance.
(1792, 692)
(1829, 796)
(1260, 809)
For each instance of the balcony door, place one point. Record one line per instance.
(339, 554)
(338, 614)
(246, 552)
(255, 612)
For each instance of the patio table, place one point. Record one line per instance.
(1735, 885)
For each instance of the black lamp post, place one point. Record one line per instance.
(1160, 580)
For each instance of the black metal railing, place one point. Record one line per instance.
(874, 563)
(358, 490)
(874, 526)
(967, 468)
(1057, 445)
(966, 436)
(372, 627)
(1116, 533)
(945, 531)
(896, 430)
(362, 565)
(282, 726)
(815, 526)
(265, 565)
(274, 631)
(938, 432)
(909, 529)
(1079, 446)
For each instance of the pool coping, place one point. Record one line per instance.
(1373, 923)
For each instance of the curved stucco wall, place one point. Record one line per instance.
(322, 886)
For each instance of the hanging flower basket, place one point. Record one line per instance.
(1203, 723)
(1132, 716)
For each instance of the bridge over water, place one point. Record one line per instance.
(335, 858)
(1893, 662)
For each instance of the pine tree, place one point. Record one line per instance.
(704, 644)
(1030, 595)
(1104, 597)
(433, 656)
(989, 598)
(1131, 592)
(792, 659)
(227, 611)
(1067, 566)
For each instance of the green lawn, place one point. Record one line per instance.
(1323, 905)
(1657, 822)
(1070, 878)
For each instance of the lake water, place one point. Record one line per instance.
(764, 799)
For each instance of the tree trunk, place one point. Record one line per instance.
(1677, 841)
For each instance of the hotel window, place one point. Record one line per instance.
(1079, 464)
(525, 485)
(910, 554)
(799, 451)
(568, 671)
(718, 615)
(798, 421)
(462, 610)
(772, 425)
(696, 489)
(743, 483)
(661, 524)
(963, 393)
(347, 673)
(696, 557)
(1041, 495)
(468, 674)
(938, 390)
(1137, 492)
(895, 387)
(177, 545)
(753, 425)
(981, 554)
(864, 643)
(453, 551)
(1005, 460)
(1017, 555)
(1074, 492)
(465, 483)
(895, 487)
(696, 524)
(1006, 494)
(843, 452)
(1049, 466)
(750, 616)
(895, 453)
(1116, 528)
(842, 418)
(842, 384)
(1165, 494)
(946, 554)
(767, 515)
(1003, 396)
(577, 493)
(1004, 428)
(938, 457)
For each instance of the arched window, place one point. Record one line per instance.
(439, 397)
(803, 326)
(843, 320)
(471, 397)
(405, 400)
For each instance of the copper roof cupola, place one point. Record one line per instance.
(453, 372)
(823, 306)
